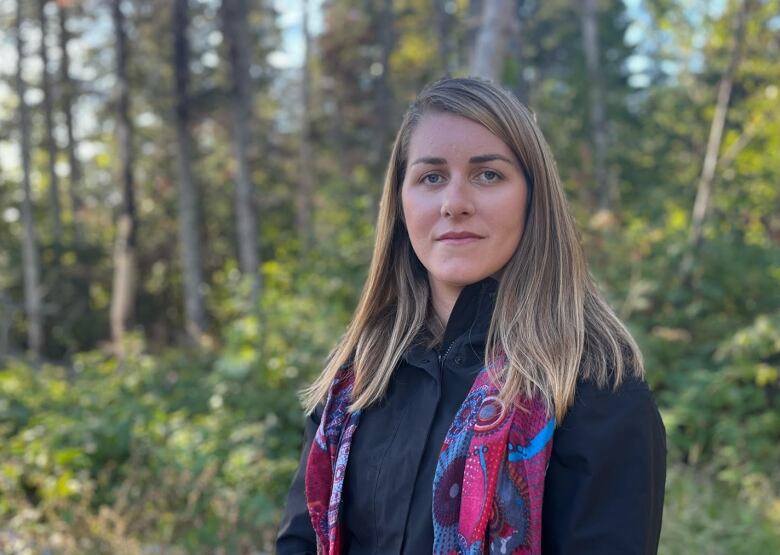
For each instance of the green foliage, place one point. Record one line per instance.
(183, 449)
(702, 515)
(728, 415)
(153, 442)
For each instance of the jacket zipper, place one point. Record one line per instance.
(443, 356)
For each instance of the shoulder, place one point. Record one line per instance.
(610, 417)
(607, 473)
(631, 388)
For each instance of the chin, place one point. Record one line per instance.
(459, 279)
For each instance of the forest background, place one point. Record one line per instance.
(187, 199)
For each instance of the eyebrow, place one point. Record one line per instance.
(481, 159)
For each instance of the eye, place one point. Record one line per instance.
(432, 179)
(490, 176)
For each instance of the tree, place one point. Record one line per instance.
(31, 264)
(125, 263)
(498, 22)
(444, 23)
(50, 143)
(711, 154)
(306, 180)
(384, 19)
(356, 49)
(195, 313)
(598, 119)
(236, 32)
(68, 94)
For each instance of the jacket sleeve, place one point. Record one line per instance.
(604, 488)
(296, 534)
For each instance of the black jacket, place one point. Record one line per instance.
(604, 486)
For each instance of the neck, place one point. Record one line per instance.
(443, 298)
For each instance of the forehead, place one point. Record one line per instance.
(441, 134)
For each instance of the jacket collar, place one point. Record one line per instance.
(472, 311)
(464, 336)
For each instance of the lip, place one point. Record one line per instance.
(458, 237)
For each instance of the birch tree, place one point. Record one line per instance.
(707, 177)
(490, 46)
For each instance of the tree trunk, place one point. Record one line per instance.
(498, 22)
(337, 136)
(520, 87)
(446, 47)
(194, 309)
(706, 179)
(304, 210)
(8, 310)
(473, 22)
(30, 258)
(383, 92)
(236, 31)
(68, 94)
(123, 294)
(598, 119)
(384, 21)
(49, 142)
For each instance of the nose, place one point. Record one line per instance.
(456, 199)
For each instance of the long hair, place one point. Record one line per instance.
(549, 320)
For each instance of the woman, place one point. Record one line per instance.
(484, 397)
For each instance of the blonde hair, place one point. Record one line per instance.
(549, 318)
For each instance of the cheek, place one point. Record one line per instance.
(416, 217)
(407, 214)
(511, 217)
(410, 220)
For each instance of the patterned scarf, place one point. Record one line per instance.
(489, 481)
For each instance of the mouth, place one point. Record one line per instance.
(458, 238)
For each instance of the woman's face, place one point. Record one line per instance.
(463, 198)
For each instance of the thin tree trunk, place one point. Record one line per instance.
(337, 135)
(706, 179)
(383, 93)
(473, 23)
(8, 311)
(598, 119)
(30, 258)
(125, 265)
(304, 208)
(444, 24)
(516, 51)
(498, 21)
(195, 313)
(68, 94)
(236, 31)
(384, 20)
(50, 144)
